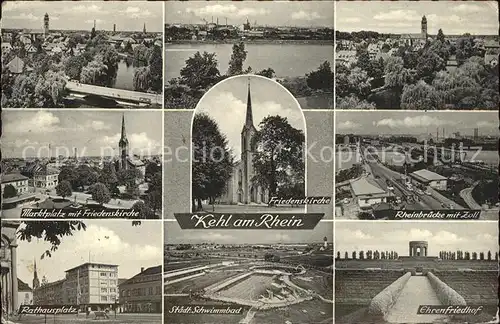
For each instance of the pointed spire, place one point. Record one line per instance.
(124, 134)
(249, 116)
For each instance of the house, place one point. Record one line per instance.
(17, 180)
(367, 193)
(347, 57)
(30, 49)
(491, 59)
(143, 292)
(17, 66)
(429, 178)
(24, 293)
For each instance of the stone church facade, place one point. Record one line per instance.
(240, 189)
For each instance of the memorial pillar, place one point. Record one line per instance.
(13, 270)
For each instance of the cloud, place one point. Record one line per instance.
(349, 19)
(468, 8)
(401, 15)
(485, 124)
(91, 21)
(139, 143)
(82, 8)
(41, 122)
(303, 15)
(348, 125)
(18, 5)
(417, 121)
(23, 16)
(226, 9)
(437, 20)
(136, 12)
(97, 125)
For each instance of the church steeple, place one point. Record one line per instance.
(36, 282)
(123, 146)
(249, 115)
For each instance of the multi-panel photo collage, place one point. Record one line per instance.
(249, 162)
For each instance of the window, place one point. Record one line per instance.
(103, 274)
(104, 290)
(112, 290)
(104, 298)
(104, 283)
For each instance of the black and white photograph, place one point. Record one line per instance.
(237, 167)
(291, 42)
(397, 272)
(82, 54)
(417, 55)
(102, 270)
(416, 161)
(81, 162)
(265, 276)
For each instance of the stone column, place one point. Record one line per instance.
(13, 270)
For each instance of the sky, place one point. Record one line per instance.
(476, 236)
(416, 122)
(271, 13)
(107, 241)
(175, 235)
(80, 15)
(399, 17)
(28, 133)
(226, 103)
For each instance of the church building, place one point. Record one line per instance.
(240, 188)
(418, 38)
(125, 161)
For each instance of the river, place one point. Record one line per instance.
(287, 60)
(125, 76)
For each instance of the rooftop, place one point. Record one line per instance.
(363, 186)
(12, 177)
(426, 175)
(146, 272)
(86, 264)
(22, 286)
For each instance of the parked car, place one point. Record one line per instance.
(428, 192)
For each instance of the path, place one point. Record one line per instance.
(417, 291)
(466, 195)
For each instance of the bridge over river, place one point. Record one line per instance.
(120, 95)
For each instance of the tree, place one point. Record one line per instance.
(238, 57)
(268, 73)
(338, 255)
(419, 96)
(346, 255)
(95, 73)
(440, 36)
(278, 154)
(212, 161)
(353, 102)
(108, 175)
(362, 255)
(63, 189)
(141, 79)
(51, 232)
(144, 211)
(140, 55)
(155, 64)
(489, 255)
(9, 191)
(100, 193)
(322, 78)
(73, 67)
(200, 71)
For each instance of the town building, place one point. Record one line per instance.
(429, 178)
(419, 38)
(8, 267)
(346, 57)
(18, 181)
(240, 189)
(46, 25)
(92, 285)
(46, 178)
(143, 292)
(17, 66)
(367, 193)
(50, 293)
(24, 292)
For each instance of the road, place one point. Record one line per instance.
(143, 97)
(81, 319)
(426, 202)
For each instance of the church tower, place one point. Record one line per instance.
(46, 25)
(36, 282)
(423, 28)
(123, 147)
(144, 28)
(247, 134)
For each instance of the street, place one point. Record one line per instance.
(81, 318)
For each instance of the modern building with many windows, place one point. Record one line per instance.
(92, 286)
(143, 292)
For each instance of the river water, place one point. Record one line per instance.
(287, 60)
